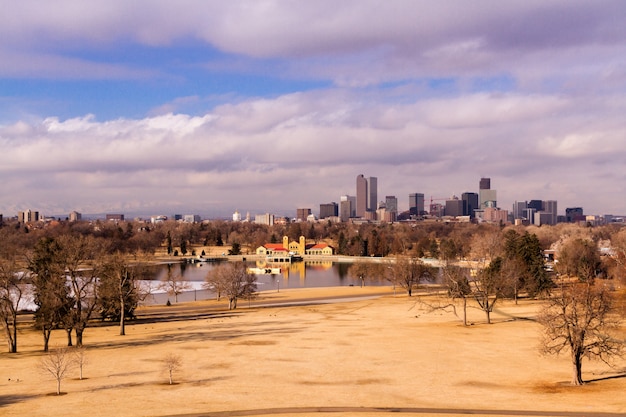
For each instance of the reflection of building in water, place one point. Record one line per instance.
(293, 248)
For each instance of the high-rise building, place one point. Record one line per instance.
(416, 204)
(352, 200)
(487, 197)
(518, 209)
(454, 207)
(266, 218)
(470, 203)
(574, 214)
(329, 210)
(372, 193)
(536, 204)
(302, 214)
(361, 196)
(550, 206)
(391, 203)
(75, 216)
(345, 210)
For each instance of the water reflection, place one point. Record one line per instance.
(305, 274)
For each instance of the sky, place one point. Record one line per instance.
(207, 107)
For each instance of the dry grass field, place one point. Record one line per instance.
(365, 357)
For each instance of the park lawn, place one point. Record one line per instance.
(390, 351)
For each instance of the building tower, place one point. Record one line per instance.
(361, 196)
(391, 203)
(372, 193)
(486, 195)
(470, 203)
(416, 204)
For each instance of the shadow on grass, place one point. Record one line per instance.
(606, 378)
(14, 399)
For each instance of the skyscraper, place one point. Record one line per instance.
(361, 196)
(416, 204)
(329, 210)
(302, 214)
(470, 203)
(486, 194)
(391, 203)
(518, 209)
(454, 207)
(550, 206)
(372, 193)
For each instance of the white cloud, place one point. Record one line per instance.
(311, 146)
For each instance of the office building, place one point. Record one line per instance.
(75, 216)
(391, 203)
(518, 209)
(345, 210)
(115, 217)
(302, 214)
(416, 204)
(550, 207)
(470, 203)
(267, 219)
(454, 207)
(574, 214)
(486, 196)
(372, 193)
(352, 200)
(535, 204)
(28, 216)
(329, 210)
(192, 218)
(361, 196)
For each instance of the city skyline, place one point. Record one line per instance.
(208, 108)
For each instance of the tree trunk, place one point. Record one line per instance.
(69, 336)
(577, 369)
(46, 338)
(122, 318)
(58, 386)
(79, 336)
(464, 311)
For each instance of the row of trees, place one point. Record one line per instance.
(579, 315)
(69, 278)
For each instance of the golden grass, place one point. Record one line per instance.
(386, 352)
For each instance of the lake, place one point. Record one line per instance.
(295, 275)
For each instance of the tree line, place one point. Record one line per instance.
(78, 270)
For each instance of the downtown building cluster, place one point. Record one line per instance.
(365, 206)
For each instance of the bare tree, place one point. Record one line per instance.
(12, 289)
(172, 363)
(79, 356)
(120, 290)
(456, 280)
(364, 271)
(81, 257)
(234, 281)
(57, 363)
(174, 285)
(51, 292)
(409, 272)
(579, 319)
(579, 258)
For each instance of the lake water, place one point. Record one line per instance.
(294, 275)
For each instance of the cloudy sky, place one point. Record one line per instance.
(195, 106)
